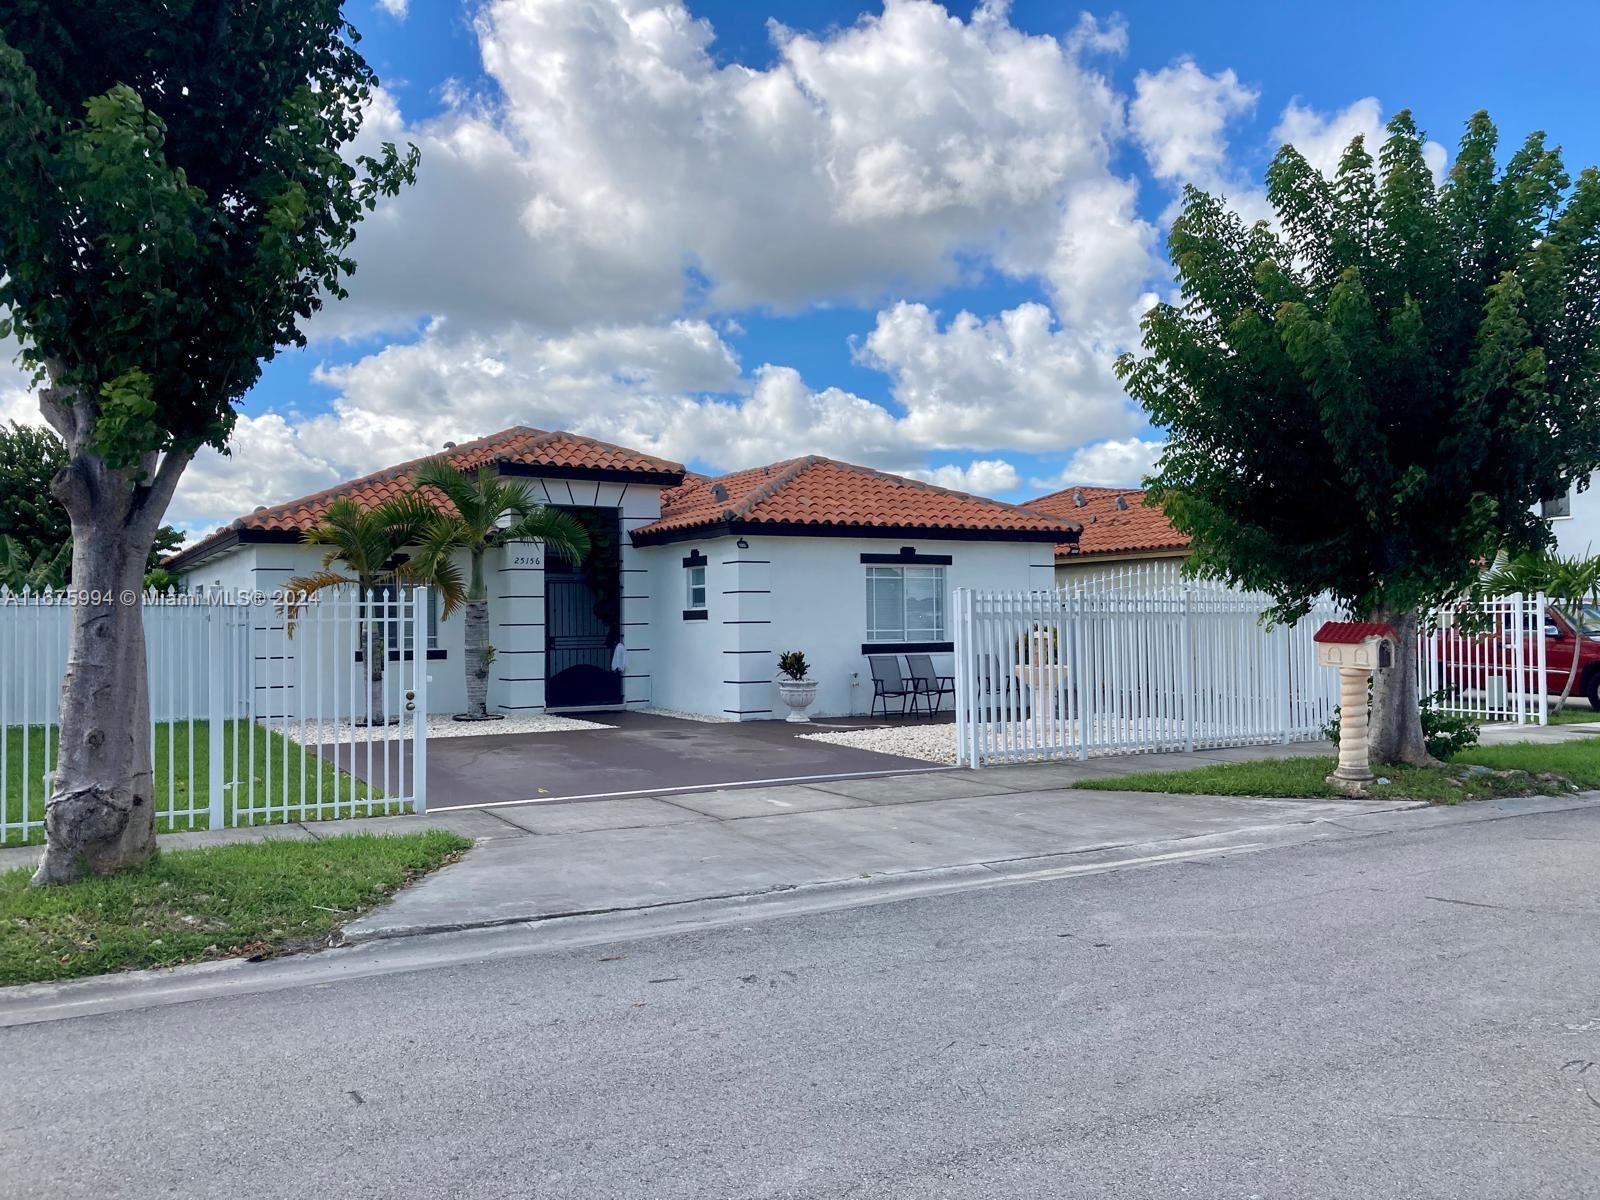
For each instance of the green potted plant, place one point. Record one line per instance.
(797, 691)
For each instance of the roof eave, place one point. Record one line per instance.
(734, 528)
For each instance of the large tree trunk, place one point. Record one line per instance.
(1396, 731)
(100, 816)
(477, 635)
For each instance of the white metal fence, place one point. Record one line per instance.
(1122, 666)
(1487, 659)
(251, 722)
(1142, 659)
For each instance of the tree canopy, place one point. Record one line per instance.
(174, 203)
(179, 194)
(1370, 395)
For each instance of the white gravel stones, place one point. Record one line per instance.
(931, 743)
(440, 725)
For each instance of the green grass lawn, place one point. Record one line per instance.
(252, 899)
(1581, 714)
(180, 777)
(1577, 761)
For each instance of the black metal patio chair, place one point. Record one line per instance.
(887, 681)
(929, 682)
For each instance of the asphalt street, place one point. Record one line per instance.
(1412, 1014)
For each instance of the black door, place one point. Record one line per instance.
(582, 617)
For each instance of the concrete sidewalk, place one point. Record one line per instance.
(536, 861)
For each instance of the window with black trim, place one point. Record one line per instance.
(695, 587)
(905, 604)
(1554, 510)
(399, 634)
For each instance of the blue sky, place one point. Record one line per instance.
(681, 292)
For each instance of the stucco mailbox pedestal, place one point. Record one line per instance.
(1356, 649)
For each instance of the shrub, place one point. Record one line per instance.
(792, 665)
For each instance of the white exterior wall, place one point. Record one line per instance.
(1579, 534)
(516, 609)
(798, 593)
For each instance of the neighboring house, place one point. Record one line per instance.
(1119, 529)
(1575, 520)
(705, 583)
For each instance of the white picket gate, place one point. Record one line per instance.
(252, 722)
(1145, 660)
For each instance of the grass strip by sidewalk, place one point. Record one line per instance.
(250, 899)
(1306, 778)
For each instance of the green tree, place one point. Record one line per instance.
(481, 513)
(30, 456)
(174, 205)
(371, 544)
(1371, 397)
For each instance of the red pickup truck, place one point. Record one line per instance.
(1488, 663)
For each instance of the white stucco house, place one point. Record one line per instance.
(1575, 520)
(704, 583)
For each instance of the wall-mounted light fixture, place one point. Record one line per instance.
(742, 544)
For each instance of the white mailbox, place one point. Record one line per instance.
(1357, 649)
(1356, 645)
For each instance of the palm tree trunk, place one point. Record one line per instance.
(375, 654)
(477, 635)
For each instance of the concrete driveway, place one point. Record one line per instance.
(640, 754)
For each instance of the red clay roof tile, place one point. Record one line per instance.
(565, 453)
(1131, 527)
(822, 492)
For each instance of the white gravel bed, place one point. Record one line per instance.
(440, 725)
(931, 743)
(675, 714)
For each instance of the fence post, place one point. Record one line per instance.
(419, 685)
(963, 697)
(1286, 681)
(1186, 652)
(1078, 671)
(1539, 691)
(215, 715)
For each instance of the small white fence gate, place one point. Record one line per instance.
(251, 722)
(1145, 660)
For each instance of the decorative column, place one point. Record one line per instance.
(1353, 773)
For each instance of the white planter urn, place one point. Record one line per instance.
(798, 694)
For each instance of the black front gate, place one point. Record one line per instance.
(583, 617)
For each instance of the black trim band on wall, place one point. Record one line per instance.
(908, 647)
(694, 614)
(695, 559)
(908, 554)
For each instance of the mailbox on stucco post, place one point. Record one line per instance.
(1357, 649)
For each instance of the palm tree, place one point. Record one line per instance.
(485, 511)
(45, 573)
(368, 542)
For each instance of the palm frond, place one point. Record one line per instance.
(434, 564)
(559, 531)
(302, 588)
(454, 485)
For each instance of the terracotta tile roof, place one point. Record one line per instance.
(521, 449)
(1351, 633)
(1115, 521)
(816, 491)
